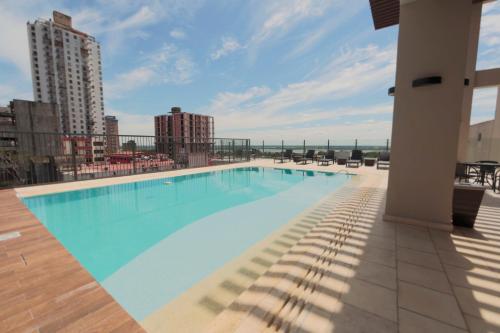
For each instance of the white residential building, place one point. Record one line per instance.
(66, 69)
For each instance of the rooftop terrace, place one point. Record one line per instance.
(337, 266)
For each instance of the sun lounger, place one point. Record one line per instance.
(356, 159)
(384, 160)
(286, 156)
(309, 156)
(328, 158)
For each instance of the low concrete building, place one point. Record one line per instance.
(21, 119)
(30, 141)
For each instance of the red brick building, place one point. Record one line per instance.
(180, 133)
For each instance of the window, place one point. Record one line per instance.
(479, 136)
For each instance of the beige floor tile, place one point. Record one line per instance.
(372, 298)
(405, 231)
(379, 256)
(424, 277)
(353, 319)
(475, 278)
(377, 274)
(455, 259)
(430, 303)
(419, 258)
(442, 239)
(483, 305)
(477, 325)
(411, 322)
(416, 243)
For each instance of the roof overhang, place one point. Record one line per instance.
(385, 13)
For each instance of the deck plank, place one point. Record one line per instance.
(43, 288)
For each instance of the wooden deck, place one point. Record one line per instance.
(43, 288)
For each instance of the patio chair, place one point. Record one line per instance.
(487, 173)
(287, 155)
(342, 157)
(496, 181)
(463, 172)
(328, 158)
(309, 156)
(384, 160)
(356, 159)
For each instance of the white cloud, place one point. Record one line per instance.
(490, 37)
(483, 105)
(9, 92)
(307, 104)
(14, 40)
(133, 124)
(229, 45)
(128, 81)
(367, 133)
(177, 34)
(114, 22)
(168, 65)
(340, 14)
(279, 17)
(144, 16)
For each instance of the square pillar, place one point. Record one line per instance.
(470, 74)
(433, 41)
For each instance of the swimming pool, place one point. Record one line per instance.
(147, 242)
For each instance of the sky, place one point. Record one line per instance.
(266, 70)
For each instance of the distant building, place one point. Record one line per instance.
(66, 70)
(181, 134)
(112, 139)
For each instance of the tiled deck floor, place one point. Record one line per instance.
(354, 272)
(43, 288)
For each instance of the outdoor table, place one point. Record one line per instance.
(369, 161)
(483, 171)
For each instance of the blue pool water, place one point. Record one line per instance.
(149, 241)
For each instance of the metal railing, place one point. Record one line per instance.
(369, 148)
(36, 158)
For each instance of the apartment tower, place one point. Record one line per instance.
(66, 70)
(190, 132)
(112, 138)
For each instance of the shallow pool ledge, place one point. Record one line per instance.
(172, 266)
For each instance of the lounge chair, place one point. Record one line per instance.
(309, 156)
(356, 159)
(342, 157)
(384, 159)
(328, 158)
(287, 155)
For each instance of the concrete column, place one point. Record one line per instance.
(495, 137)
(470, 73)
(433, 41)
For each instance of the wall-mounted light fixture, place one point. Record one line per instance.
(391, 91)
(426, 81)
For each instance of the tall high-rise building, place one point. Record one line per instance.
(112, 139)
(66, 70)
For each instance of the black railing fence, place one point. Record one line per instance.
(370, 148)
(36, 158)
